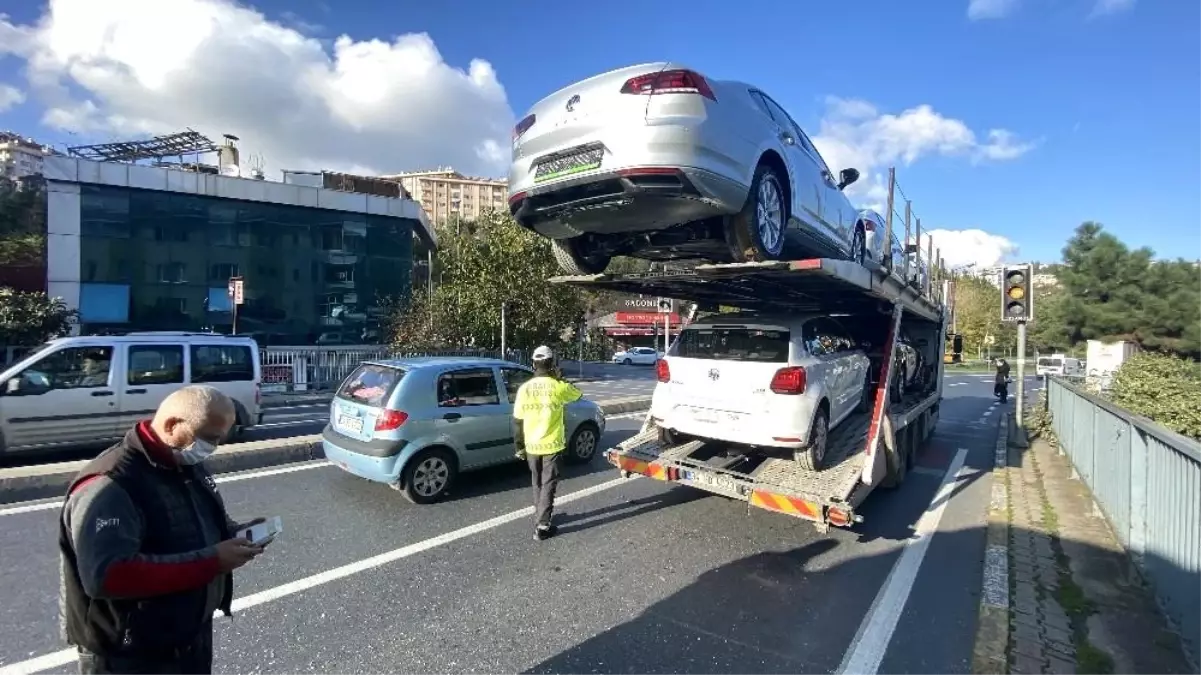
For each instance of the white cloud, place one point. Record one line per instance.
(1107, 7)
(978, 10)
(10, 96)
(853, 133)
(972, 247)
(131, 68)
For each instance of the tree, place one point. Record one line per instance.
(32, 318)
(978, 314)
(480, 265)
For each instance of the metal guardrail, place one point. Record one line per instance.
(298, 369)
(1147, 480)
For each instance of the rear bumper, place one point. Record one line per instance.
(636, 199)
(381, 463)
(744, 429)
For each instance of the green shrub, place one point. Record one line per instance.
(1162, 387)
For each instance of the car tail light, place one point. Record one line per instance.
(524, 125)
(669, 82)
(662, 371)
(390, 419)
(789, 380)
(258, 394)
(516, 198)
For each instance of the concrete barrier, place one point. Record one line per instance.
(24, 483)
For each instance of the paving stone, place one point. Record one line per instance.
(1064, 650)
(1061, 666)
(1022, 631)
(1030, 620)
(1056, 634)
(1026, 665)
(1056, 620)
(1028, 647)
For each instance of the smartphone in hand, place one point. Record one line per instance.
(263, 533)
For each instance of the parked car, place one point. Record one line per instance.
(875, 226)
(659, 162)
(774, 382)
(642, 356)
(416, 424)
(81, 391)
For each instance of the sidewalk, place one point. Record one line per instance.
(1076, 601)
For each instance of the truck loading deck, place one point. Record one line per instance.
(865, 451)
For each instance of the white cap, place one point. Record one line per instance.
(543, 353)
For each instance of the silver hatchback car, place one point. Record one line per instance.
(657, 161)
(415, 424)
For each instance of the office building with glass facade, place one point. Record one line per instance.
(136, 247)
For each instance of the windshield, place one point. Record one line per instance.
(370, 384)
(734, 344)
(1050, 363)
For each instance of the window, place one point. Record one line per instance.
(155, 364)
(172, 273)
(475, 386)
(71, 368)
(824, 337)
(331, 239)
(734, 343)
(167, 233)
(103, 303)
(223, 271)
(339, 273)
(222, 363)
(370, 384)
(514, 378)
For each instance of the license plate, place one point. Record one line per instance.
(351, 424)
(705, 416)
(719, 482)
(568, 164)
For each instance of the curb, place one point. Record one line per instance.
(24, 483)
(990, 651)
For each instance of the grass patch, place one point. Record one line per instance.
(1089, 659)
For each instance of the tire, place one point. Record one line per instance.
(898, 466)
(627, 362)
(859, 246)
(811, 457)
(426, 462)
(745, 230)
(581, 449)
(669, 438)
(573, 262)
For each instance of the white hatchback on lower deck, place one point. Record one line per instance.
(772, 381)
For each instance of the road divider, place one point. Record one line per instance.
(24, 483)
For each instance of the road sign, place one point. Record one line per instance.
(990, 339)
(665, 305)
(236, 290)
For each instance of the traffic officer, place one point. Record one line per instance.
(541, 434)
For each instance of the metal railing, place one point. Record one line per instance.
(315, 369)
(1147, 480)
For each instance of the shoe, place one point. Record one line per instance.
(543, 532)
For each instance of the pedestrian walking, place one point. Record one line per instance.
(147, 548)
(541, 434)
(1001, 380)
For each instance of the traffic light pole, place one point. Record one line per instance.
(1019, 411)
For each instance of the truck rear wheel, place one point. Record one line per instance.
(810, 458)
(898, 463)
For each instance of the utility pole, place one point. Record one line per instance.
(1019, 407)
(582, 326)
(504, 352)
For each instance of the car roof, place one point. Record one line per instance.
(155, 337)
(422, 362)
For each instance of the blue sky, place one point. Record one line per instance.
(1112, 101)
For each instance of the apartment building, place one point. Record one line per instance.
(20, 157)
(444, 193)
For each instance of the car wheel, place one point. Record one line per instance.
(428, 476)
(627, 362)
(572, 261)
(756, 233)
(811, 457)
(582, 447)
(859, 246)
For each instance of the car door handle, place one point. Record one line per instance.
(102, 393)
(135, 391)
(452, 417)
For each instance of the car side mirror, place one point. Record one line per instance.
(19, 386)
(846, 177)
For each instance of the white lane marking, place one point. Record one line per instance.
(65, 656)
(231, 478)
(875, 633)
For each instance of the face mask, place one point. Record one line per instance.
(196, 452)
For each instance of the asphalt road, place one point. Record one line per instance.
(644, 576)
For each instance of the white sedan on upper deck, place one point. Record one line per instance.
(657, 161)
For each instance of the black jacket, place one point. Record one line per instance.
(178, 514)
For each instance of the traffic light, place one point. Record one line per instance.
(1017, 300)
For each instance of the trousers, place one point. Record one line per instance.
(196, 658)
(544, 476)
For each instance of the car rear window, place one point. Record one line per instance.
(370, 384)
(1052, 363)
(734, 344)
(222, 363)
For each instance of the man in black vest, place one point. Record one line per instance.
(147, 548)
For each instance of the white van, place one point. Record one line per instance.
(90, 390)
(1058, 364)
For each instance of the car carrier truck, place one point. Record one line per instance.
(866, 451)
